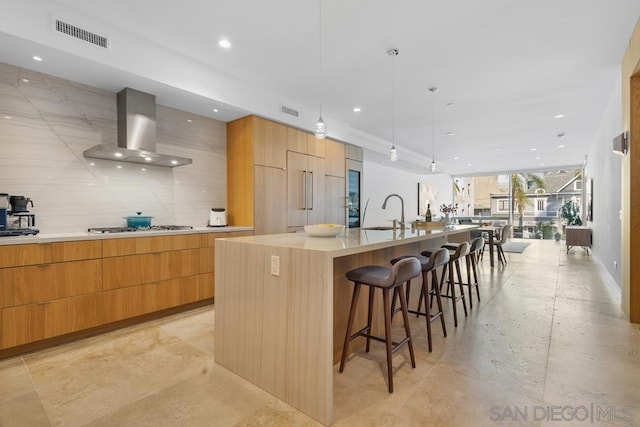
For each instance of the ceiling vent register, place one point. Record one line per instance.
(82, 34)
(289, 111)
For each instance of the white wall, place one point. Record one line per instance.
(604, 168)
(380, 180)
(47, 123)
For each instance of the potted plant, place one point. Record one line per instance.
(570, 212)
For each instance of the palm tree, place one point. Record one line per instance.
(519, 197)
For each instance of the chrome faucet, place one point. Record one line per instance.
(384, 206)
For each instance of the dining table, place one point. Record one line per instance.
(491, 233)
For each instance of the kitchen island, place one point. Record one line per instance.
(282, 303)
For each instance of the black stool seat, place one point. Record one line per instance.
(383, 278)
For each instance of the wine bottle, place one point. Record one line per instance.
(428, 213)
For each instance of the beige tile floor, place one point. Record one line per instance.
(548, 332)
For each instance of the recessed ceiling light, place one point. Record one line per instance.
(456, 158)
(215, 110)
(356, 109)
(468, 164)
(7, 117)
(561, 146)
(189, 120)
(143, 170)
(541, 164)
(92, 164)
(533, 149)
(450, 133)
(37, 58)
(538, 158)
(559, 116)
(174, 162)
(224, 43)
(117, 154)
(25, 80)
(119, 167)
(498, 149)
(148, 159)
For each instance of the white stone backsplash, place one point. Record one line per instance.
(54, 120)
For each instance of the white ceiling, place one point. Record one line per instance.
(504, 68)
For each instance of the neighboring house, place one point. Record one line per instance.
(543, 215)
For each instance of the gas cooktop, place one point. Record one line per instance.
(129, 229)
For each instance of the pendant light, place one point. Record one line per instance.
(320, 130)
(393, 153)
(433, 91)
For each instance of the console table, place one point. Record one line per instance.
(578, 236)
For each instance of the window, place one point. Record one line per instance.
(540, 205)
(503, 205)
(577, 184)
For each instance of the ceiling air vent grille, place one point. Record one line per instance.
(79, 33)
(289, 111)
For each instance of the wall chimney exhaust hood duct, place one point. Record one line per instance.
(136, 133)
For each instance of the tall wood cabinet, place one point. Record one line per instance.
(279, 178)
(305, 189)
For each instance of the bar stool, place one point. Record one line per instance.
(454, 262)
(438, 259)
(385, 279)
(472, 259)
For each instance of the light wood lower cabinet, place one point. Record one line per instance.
(117, 279)
(34, 322)
(133, 301)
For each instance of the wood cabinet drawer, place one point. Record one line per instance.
(133, 270)
(33, 322)
(46, 282)
(136, 245)
(138, 300)
(184, 263)
(43, 253)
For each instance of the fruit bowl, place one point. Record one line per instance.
(324, 230)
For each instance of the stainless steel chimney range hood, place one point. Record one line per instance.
(136, 134)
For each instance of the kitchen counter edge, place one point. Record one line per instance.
(70, 237)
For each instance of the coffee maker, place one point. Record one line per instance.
(15, 218)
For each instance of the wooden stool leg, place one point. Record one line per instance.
(387, 335)
(452, 288)
(468, 262)
(407, 329)
(464, 303)
(436, 287)
(476, 272)
(425, 292)
(369, 317)
(352, 313)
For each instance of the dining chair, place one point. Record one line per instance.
(504, 235)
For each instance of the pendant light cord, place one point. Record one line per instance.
(433, 127)
(393, 53)
(320, 44)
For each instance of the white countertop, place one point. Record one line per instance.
(351, 241)
(66, 237)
